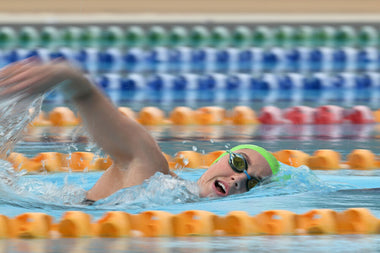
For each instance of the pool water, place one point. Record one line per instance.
(305, 190)
(57, 193)
(322, 243)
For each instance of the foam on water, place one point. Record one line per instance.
(291, 180)
(159, 191)
(18, 189)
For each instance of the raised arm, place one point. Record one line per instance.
(135, 153)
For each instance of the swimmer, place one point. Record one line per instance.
(136, 155)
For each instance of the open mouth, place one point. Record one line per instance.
(220, 188)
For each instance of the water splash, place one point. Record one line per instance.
(292, 180)
(15, 114)
(17, 189)
(159, 190)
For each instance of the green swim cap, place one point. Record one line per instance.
(273, 163)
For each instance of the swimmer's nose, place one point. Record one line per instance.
(238, 181)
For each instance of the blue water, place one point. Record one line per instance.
(296, 189)
(303, 191)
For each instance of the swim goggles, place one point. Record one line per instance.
(239, 164)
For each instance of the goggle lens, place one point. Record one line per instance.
(239, 164)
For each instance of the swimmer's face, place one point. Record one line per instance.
(220, 180)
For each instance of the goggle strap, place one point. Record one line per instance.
(248, 176)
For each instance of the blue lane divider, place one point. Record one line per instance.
(209, 60)
(213, 81)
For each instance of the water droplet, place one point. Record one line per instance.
(178, 166)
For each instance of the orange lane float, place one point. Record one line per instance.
(81, 160)
(276, 222)
(209, 158)
(239, 223)
(41, 120)
(293, 158)
(101, 163)
(188, 159)
(317, 221)
(52, 161)
(192, 159)
(128, 112)
(115, 224)
(32, 225)
(20, 162)
(182, 115)
(243, 115)
(194, 223)
(155, 223)
(63, 116)
(5, 227)
(238, 115)
(151, 116)
(358, 221)
(362, 159)
(377, 116)
(323, 159)
(75, 224)
(210, 115)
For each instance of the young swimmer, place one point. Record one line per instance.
(136, 155)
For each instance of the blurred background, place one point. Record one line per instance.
(267, 55)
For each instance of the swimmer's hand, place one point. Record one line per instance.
(32, 78)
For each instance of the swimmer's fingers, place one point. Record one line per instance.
(16, 73)
(32, 81)
(26, 72)
(16, 68)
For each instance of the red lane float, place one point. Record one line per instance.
(360, 114)
(300, 115)
(329, 114)
(271, 115)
